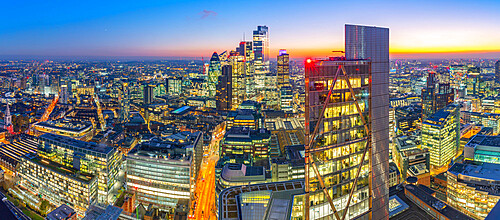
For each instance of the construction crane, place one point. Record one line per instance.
(49, 109)
(99, 112)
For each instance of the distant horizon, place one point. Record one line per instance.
(418, 30)
(492, 55)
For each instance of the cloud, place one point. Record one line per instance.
(207, 13)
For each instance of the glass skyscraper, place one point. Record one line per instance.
(261, 55)
(348, 125)
(214, 69)
(368, 42)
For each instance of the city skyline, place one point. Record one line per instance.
(196, 29)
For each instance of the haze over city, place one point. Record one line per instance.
(419, 29)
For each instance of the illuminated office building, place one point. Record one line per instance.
(173, 86)
(148, 94)
(124, 99)
(64, 95)
(483, 148)
(441, 135)
(239, 78)
(473, 188)
(77, 129)
(341, 134)
(261, 55)
(86, 157)
(497, 71)
(283, 69)
(58, 184)
(246, 81)
(283, 82)
(349, 129)
(163, 171)
(246, 142)
(224, 95)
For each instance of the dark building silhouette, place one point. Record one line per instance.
(224, 89)
(435, 96)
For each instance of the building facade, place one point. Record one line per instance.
(441, 135)
(87, 157)
(224, 93)
(341, 137)
(368, 42)
(163, 171)
(473, 188)
(57, 184)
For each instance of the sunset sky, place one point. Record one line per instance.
(431, 29)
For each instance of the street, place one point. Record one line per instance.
(204, 205)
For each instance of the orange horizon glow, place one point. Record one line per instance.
(411, 52)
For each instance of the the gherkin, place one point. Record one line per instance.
(214, 69)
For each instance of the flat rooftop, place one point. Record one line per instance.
(432, 201)
(485, 140)
(439, 117)
(485, 171)
(58, 168)
(77, 143)
(66, 125)
(278, 205)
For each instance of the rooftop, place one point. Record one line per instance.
(67, 125)
(435, 203)
(76, 143)
(278, 203)
(58, 168)
(439, 117)
(238, 172)
(481, 176)
(60, 213)
(485, 140)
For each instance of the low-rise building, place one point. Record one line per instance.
(86, 157)
(163, 171)
(483, 148)
(58, 184)
(77, 129)
(239, 141)
(473, 188)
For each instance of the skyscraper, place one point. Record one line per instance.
(497, 71)
(124, 99)
(283, 69)
(347, 129)
(148, 95)
(239, 77)
(261, 53)
(365, 42)
(213, 74)
(283, 81)
(435, 96)
(224, 95)
(337, 137)
(64, 94)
